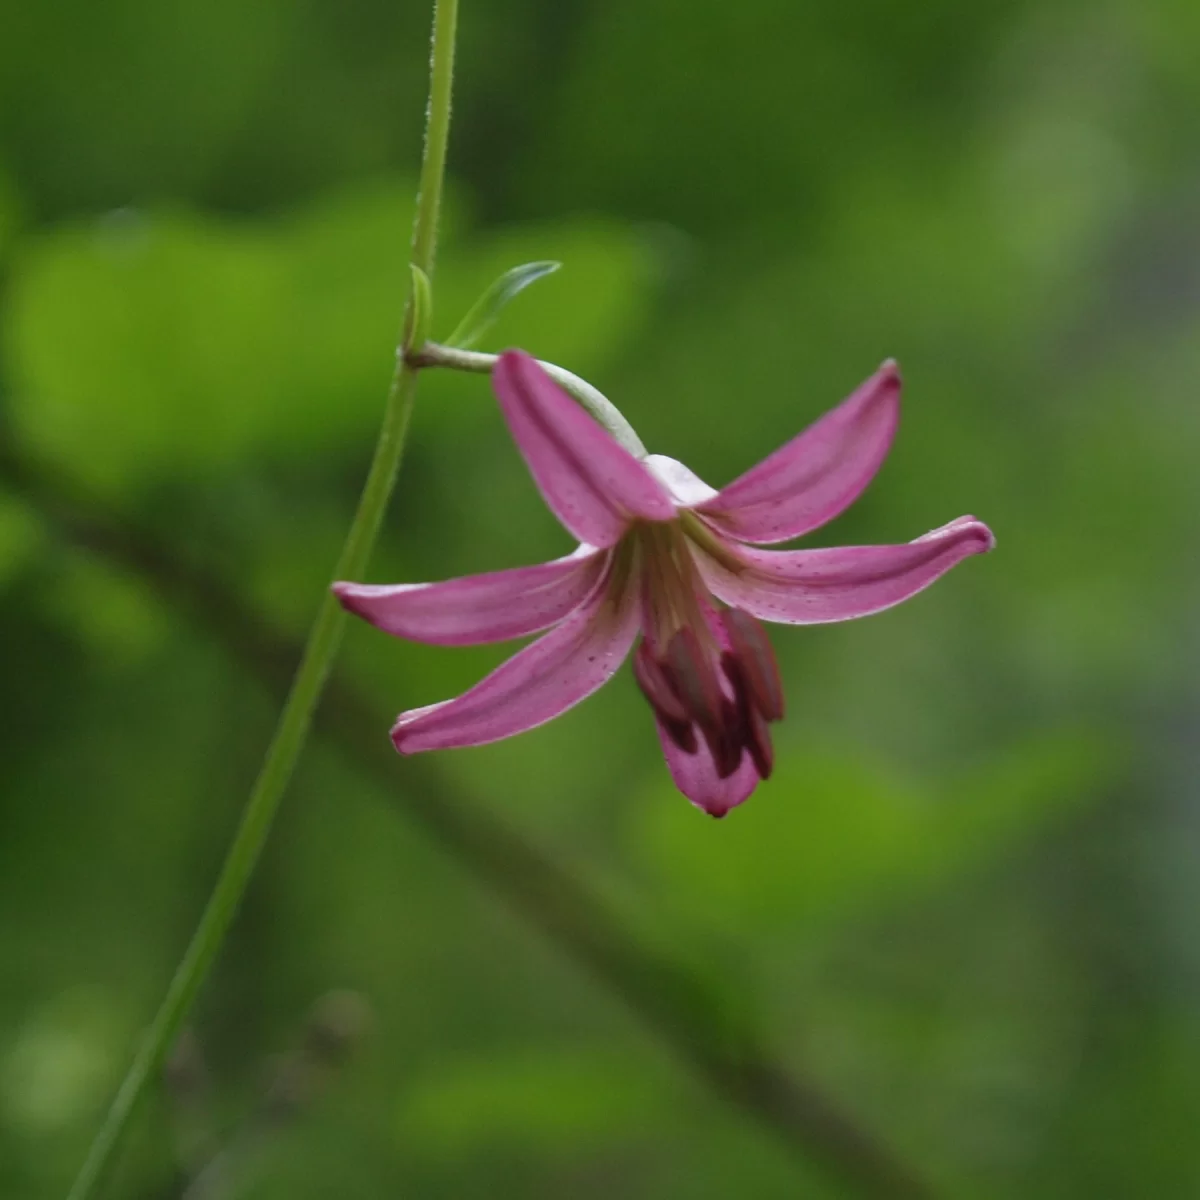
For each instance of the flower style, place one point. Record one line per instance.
(664, 554)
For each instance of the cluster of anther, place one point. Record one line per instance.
(687, 692)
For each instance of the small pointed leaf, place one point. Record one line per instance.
(487, 308)
(420, 311)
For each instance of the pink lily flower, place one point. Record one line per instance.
(663, 554)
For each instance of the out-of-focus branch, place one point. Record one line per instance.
(336, 1024)
(722, 1050)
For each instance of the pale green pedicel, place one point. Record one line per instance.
(601, 409)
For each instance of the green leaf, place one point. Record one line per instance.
(420, 312)
(484, 312)
(537, 1099)
(10, 214)
(173, 345)
(113, 614)
(59, 1062)
(20, 533)
(146, 347)
(832, 833)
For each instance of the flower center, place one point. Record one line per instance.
(705, 671)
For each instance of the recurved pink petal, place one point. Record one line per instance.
(538, 683)
(592, 484)
(816, 475)
(695, 775)
(810, 587)
(478, 608)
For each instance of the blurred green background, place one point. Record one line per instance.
(965, 909)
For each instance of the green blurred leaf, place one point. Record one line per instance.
(487, 309)
(142, 346)
(831, 833)
(114, 614)
(146, 347)
(20, 532)
(539, 1100)
(10, 213)
(57, 1067)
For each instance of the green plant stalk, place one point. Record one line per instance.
(319, 652)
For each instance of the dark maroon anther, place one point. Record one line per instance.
(690, 672)
(726, 749)
(758, 741)
(756, 661)
(666, 705)
(749, 723)
(726, 741)
(681, 733)
(655, 687)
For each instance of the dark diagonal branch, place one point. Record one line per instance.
(677, 1004)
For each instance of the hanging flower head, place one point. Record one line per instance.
(664, 555)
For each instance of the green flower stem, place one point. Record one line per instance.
(319, 652)
(602, 409)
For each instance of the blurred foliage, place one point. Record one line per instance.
(965, 905)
